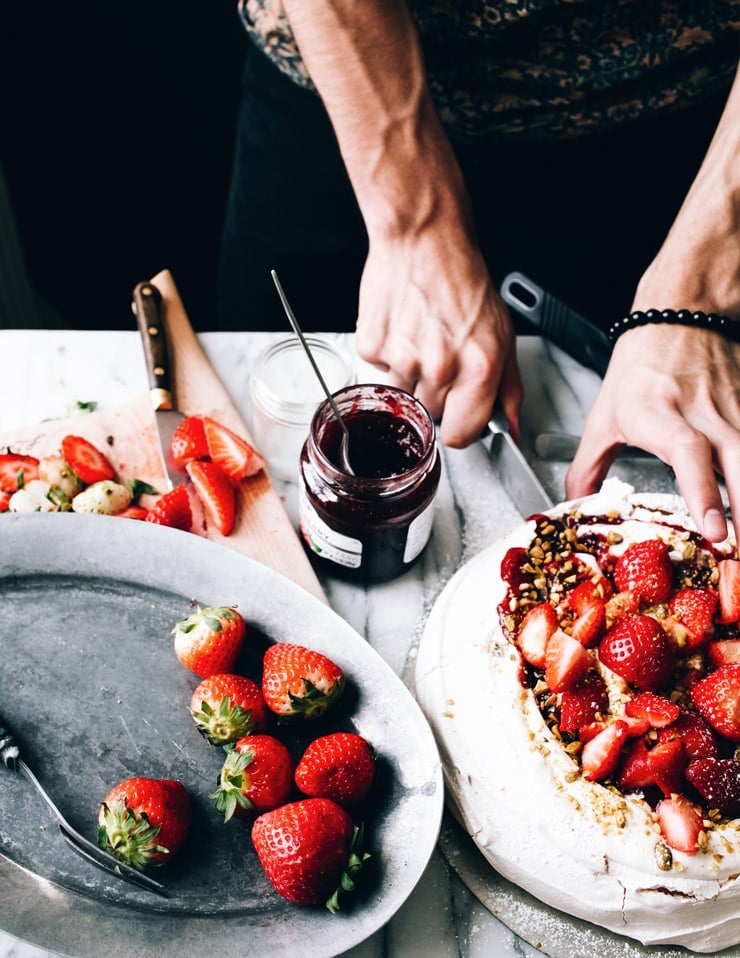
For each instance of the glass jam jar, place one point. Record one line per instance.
(285, 392)
(371, 525)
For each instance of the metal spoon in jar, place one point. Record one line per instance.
(344, 441)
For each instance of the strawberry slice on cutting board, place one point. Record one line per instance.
(233, 453)
(216, 491)
(87, 461)
(16, 470)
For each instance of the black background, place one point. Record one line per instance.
(116, 145)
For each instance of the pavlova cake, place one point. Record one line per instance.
(582, 679)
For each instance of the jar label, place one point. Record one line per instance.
(325, 541)
(419, 531)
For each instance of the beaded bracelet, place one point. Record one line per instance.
(683, 317)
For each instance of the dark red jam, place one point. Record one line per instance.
(374, 524)
(382, 444)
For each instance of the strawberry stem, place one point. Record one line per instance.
(356, 860)
(130, 836)
(230, 793)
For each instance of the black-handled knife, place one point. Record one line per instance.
(555, 320)
(148, 308)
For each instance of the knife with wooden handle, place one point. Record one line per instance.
(148, 309)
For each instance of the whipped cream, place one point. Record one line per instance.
(578, 846)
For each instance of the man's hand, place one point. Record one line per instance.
(430, 316)
(674, 391)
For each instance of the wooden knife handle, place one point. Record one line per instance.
(147, 307)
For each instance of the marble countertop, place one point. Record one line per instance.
(44, 372)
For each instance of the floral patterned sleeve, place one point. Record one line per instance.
(550, 67)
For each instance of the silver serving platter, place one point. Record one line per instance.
(90, 685)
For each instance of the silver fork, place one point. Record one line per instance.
(11, 758)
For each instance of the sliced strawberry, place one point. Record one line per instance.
(4, 501)
(537, 626)
(133, 512)
(717, 698)
(16, 470)
(589, 626)
(580, 705)
(657, 710)
(729, 590)
(717, 780)
(172, 509)
(695, 609)
(636, 725)
(189, 440)
(233, 453)
(638, 649)
(645, 568)
(681, 823)
(216, 492)
(566, 661)
(723, 652)
(694, 731)
(583, 594)
(587, 732)
(601, 754)
(663, 766)
(86, 460)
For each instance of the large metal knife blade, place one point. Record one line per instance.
(148, 309)
(558, 322)
(516, 475)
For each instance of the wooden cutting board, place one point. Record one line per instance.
(127, 435)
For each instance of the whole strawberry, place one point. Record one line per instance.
(257, 775)
(209, 640)
(226, 707)
(645, 568)
(717, 699)
(638, 649)
(299, 681)
(340, 766)
(717, 780)
(144, 821)
(310, 851)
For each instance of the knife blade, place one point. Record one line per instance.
(515, 474)
(147, 306)
(577, 336)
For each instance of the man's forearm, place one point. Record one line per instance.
(698, 266)
(365, 59)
